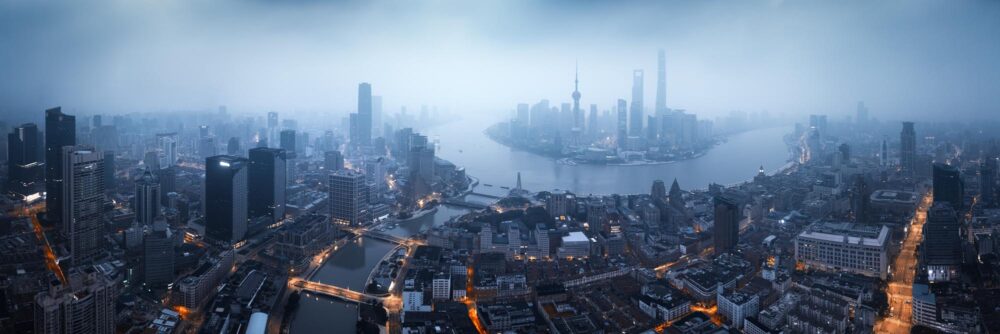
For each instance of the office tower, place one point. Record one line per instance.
(168, 182)
(908, 148)
(168, 146)
(362, 131)
(349, 198)
(110, 184)
(861, 200)
(988, 180)
(226, 198)
(24, 165)
(592, 126)
(333, 160)
(727, 225)
(206, 147)
(147, 198)
(661, 82)
(376, 114)
(622, 137)
(83, 204)
(861, 117)
(577, 113)
(97, 121)
(158, 256)
(676, 197)
(845, 152)
(84, 304)
(659, 191)
(948, 186)
(288, 141)
(267, 183)
(651, 131)
(942, 247)
(60, 131)
(635, 117)
(272, 128)
(203, 131)
(884, 153)
(523, 115)
(233, 146)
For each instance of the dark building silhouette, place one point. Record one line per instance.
(676, 197)
(158, 256)
(659, 191)
(988, 181)
(942, 246)
(25, 168)
(267, 183)
(225, 198)
(908, 148)
(147, 198)
(233, 146)
(288, 141)
(333, 160)
(727, 225)
(861, 200)
(948, 186)
(168, 182)
(60, 131)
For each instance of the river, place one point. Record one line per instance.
(463, 143)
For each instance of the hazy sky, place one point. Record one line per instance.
(905, 59)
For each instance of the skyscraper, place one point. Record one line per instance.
(376, 114)
(333, 160)
(635, 117)
(226, 198)
(861, 199)
(147, 198)
(577, 113)
(60, 131)
(83, 204)
(661, 82)
(659, 191)
(988, 180)
(908, 148)
(84, 304)
(349, 198)
(948, 185)
(233, 146)
(727, 225)
(861, 117)
(592, 127)
(267, 183)
(942, 246)
(24, 165)
(288, 141)
(364, 118)
(272, 128)
(158, 256)
(622, 137)
(168, 147)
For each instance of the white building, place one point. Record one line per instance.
(737, 306)
(441, 285)
(575, 245)
(839, 247)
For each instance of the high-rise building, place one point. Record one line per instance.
(988, 180)
(349, 198)
(861, 200)
(592, 125)
(727, 225)
(267, 183)
(158, 256)
(84, 304)
(333, 160)
(661, 82)
(908, 148)
(376, 114)
(861, 118)
(206, 147)
(659, 191)
(272, 128)
(577, 112)
(948, 185)
(622, 136)
(109, 172)
(168, 182)
(147, 198)
(83, 204)
(233, 146)
(676, 197)
(942, 246)
(635, 117)
(288, 141)
(168, 147)
(226, 198)
(25, 167)
(60, 131)
(362, 134)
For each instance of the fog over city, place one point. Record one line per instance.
(905, 59)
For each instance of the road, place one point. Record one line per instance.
(900, 289)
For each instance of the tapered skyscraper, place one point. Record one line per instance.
(60, 131)
(661, 82)
(635, 114)
(908, 148)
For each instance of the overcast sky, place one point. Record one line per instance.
(905, 59)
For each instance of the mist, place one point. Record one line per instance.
(905, 59)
